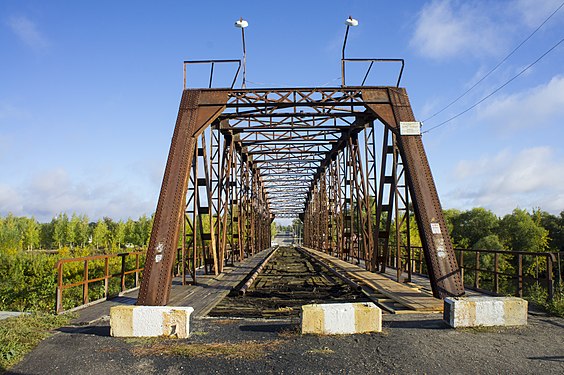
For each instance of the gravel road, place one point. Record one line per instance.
(413, 344)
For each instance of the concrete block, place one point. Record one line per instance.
(150, 321)
(485, 311)
(341, 318)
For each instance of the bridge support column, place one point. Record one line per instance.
(392, 107)
(198, 109)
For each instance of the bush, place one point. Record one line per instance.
(538, 296)
(27, 281)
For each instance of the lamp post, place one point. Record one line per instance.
(349, 22)
(242, 24)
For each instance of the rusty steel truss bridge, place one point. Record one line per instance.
(348, 161)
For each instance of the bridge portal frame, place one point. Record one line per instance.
(315, 131)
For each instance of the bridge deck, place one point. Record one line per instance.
(203, 296)
(407, 296)
(211, 289)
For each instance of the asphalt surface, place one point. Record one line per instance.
(413, 344)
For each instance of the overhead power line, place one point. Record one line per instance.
(498, 64)
(497, 89)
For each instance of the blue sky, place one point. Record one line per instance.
(89, 91)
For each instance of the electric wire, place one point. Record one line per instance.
(496, 90)
(497, 66)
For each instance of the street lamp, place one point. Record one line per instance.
(349, 22)
(242, 24)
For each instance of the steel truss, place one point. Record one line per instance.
(240, 158)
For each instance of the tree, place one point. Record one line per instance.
(144, 227)
(471, 226)
(129, 232)
(519, 232)
(555, 227)
(490, 242)
(10, 239)
(100, 234)
(119, 234)
(81, 229)
(70, 230)
(46, 235)
(60, 224)
(30, 234)
(451, 215)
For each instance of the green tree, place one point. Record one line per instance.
(129, 232)
(30, 233)
(119, 234)
(10, 238)
(60, 224)
(46, 235)
(70, 230)
(471, 226)
(451, 216)
(490, 242)
(519, 232)
(81, 229)
(143, 230)
(555, 227)
(100, 234)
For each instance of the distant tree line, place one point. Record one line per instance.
(520, 230)
(77, 231)
(477, 228)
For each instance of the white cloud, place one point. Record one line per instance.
(54, 191)
(28, 33)
(541, 105)
(10, 200)
(534, 177)
(535, 11)
(446, 29)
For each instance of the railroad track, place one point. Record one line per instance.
(289, 280)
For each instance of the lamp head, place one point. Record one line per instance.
(351, 21)
(241, 23)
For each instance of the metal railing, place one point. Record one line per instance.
(105, 276)
(371, 61)
(496, 271)
(212, 66)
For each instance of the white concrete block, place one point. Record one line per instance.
(341, 318)
(150, 321)
(485, 311)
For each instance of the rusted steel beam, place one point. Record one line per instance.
(444, 271)
(193, 118)
(362, 202)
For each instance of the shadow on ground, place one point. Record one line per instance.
(87, 330)
(418, 324)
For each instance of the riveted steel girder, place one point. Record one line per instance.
(197, 110)
(439, 252)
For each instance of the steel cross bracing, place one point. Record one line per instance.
(240, 158)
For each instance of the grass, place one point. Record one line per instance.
(290, 332)
(249, 350)
(538, 296)
(18, 336)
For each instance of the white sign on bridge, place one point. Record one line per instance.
(410, 128)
